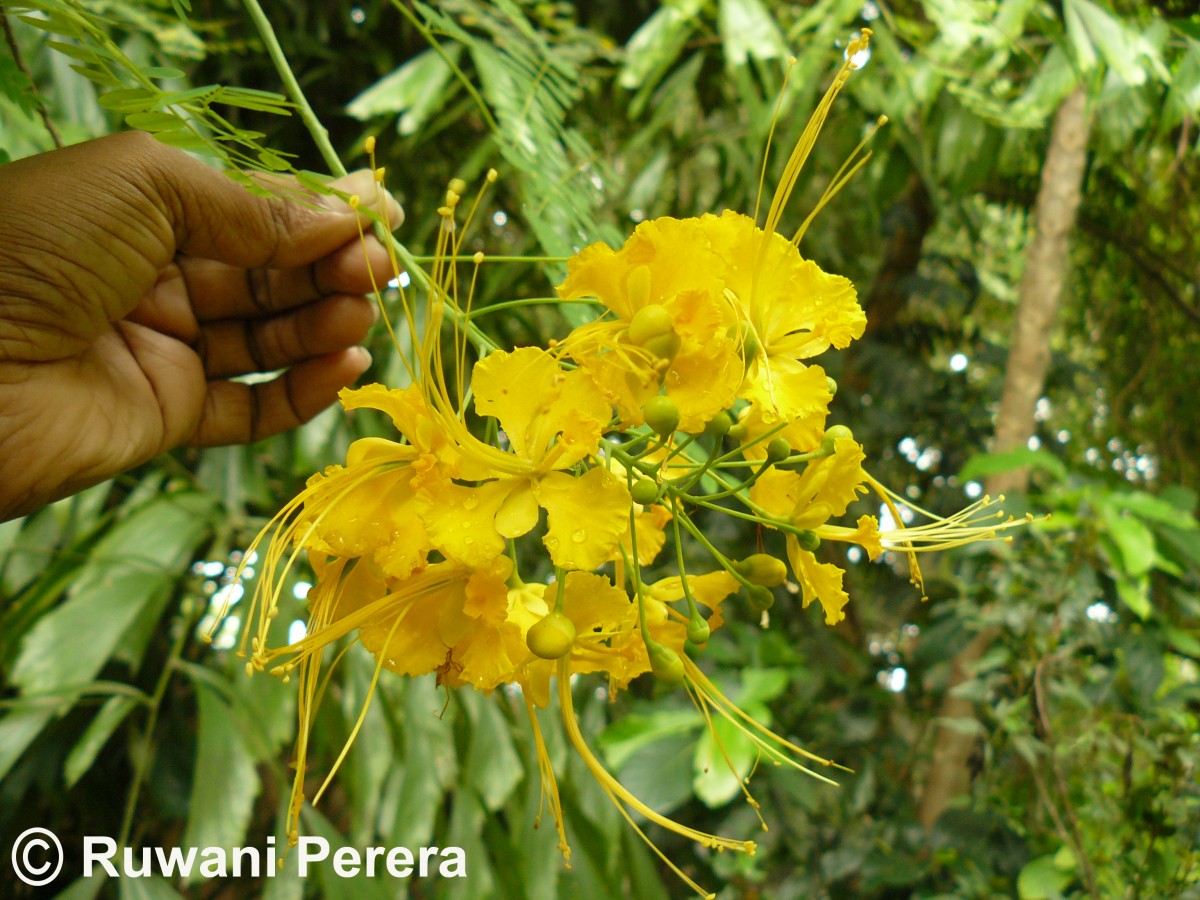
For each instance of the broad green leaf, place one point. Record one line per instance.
(1134, 542)
(492, 767)
(1042, 879)
(981, 465)
(660, 774)
(95, 736)
(224, 782)
(630, 733)
(1135, 593)
(1153, 509)
(416, 90)
(749, 32)
(18, 729)
(724, 756)
(129, 571)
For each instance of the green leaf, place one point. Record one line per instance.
(89, 54)
(224, 782)
(1135, 593)
(162, 72)
(1134, 542)
(184, 140)
(656, 45)
(749, 32)
(492, 767)
(981, 465)
(129, 571)
(1042, 879)
(129, 100)
(416, 90)
(155, 121)
(1153, 509)
(630, 733)
(18, 730)
(722, 759)
(1094, 34)
(106, 721)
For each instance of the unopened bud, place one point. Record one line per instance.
(760, 598)
(808, 540)
(665, 663)
(763, 569)
(718, 426)
(833, 434)
(644, 492)
(778, 450)
(552, 637)
(661, 414)
(698, 631)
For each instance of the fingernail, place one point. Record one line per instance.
(362, 356)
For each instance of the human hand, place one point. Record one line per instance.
(135, 281)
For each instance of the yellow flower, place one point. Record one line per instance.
(807, 501)
(666, 288)
(788, 310)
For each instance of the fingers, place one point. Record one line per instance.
(214, 218)
(236, 413)
(241, 346)
(220, 291)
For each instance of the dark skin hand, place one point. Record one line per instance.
(135, 282)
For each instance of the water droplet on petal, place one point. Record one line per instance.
(579, 536)
(470, 502)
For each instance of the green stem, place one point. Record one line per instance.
(320, 137)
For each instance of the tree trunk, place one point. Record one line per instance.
(1046, 269)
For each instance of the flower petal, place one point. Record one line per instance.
(588, 514)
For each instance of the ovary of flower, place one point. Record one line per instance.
(553, 420)
(665, 263)
(789, 310)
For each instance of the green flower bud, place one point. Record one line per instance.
(698, 631)
(808, 540)
(552, 637)
(665, 663)
(762, 568)
(661, 414)
(644, 491)
(718, 426)
(832, 434)
(738, 432)
(832, 385)
(692, 649)
(760, 598)
(778, 450)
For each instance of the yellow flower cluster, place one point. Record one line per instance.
(623, 433)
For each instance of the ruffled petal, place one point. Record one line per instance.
(588, 514)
